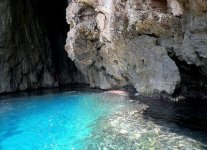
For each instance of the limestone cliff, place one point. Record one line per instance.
(32, 38)
(155, 45)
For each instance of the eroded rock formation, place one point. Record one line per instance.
(155, 45)
(151, 44)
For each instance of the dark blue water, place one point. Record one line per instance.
(89, 120)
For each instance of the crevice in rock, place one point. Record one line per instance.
(193, 82)
(152, 35)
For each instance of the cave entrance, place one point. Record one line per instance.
(33, 36)
(52, 14)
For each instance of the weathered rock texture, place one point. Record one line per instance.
(152, 44)
(155, 45)
(32, 39)
(189, 47)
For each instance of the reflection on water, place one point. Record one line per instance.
(100, 120)
(129, 129)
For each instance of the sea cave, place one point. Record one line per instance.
(103, 75)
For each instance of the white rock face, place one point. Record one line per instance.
(126, 42)
(193, 44)
(175, 7)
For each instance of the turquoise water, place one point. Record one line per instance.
(95, 121)
(55, 121)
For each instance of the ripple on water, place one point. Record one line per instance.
(91, 121)
(128, 129)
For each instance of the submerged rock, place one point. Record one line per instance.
(130, 128)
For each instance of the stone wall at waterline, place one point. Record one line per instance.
(155, 45)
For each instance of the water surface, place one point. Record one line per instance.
(93, 120)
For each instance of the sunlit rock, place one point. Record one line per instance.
(123, 48)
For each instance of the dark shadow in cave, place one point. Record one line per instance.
(52, 13)
(186, 118)
(35, 40)
(193, 83)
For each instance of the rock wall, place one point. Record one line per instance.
(190, 47)
(32, 39)
(155, 45)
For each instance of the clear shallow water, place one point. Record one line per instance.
(91, 120)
